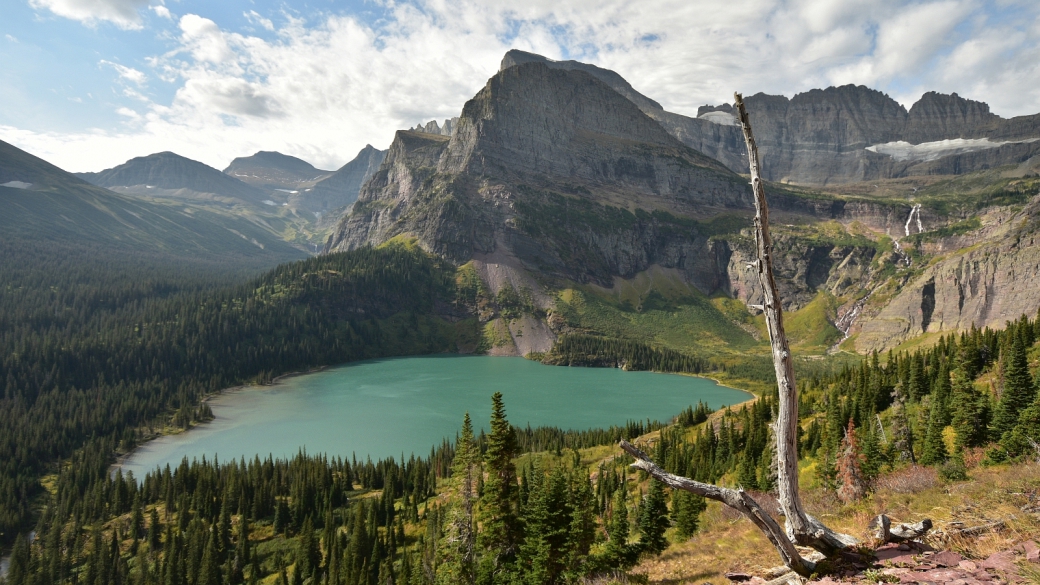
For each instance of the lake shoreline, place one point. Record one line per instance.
(123, 459)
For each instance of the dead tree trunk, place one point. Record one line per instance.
(801, 528)
(737, 499)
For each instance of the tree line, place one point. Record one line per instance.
(317, 519)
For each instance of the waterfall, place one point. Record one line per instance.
(915, 210)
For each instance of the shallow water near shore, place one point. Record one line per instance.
(398, 406)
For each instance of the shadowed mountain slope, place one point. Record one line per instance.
(40, 202)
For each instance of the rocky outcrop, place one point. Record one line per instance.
(172, 172)
(803, 269)
(432, 127)
(983, 285)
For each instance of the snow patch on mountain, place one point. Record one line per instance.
(927, 151)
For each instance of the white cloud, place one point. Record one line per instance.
(255, 18)
(11, 38)
(323, 88)
(162, 11)
(123, 13)
(128, 73)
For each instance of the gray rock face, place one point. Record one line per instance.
(618, 83)
(274, 170)
(172, 172)
(432, 127)
(558, 170)
(984, 285)
(341, 188)
(820, 137)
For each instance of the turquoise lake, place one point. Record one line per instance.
(388, 407)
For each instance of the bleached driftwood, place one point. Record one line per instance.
(885, 532)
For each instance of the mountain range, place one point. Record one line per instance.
(561, 185)
(559, 175)
(42, 204)
(840, 134)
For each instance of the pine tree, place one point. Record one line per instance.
(942, 394)
(970, 411)
(544, 552)
(653, 520)
(457, 547)
(902, 436)
(1019, 391)
(686, 511)
(499, 503)
(582, 532)
(746, 476)
(850, 477)
(618, 552)
(933, 451)
(209, 570)
(18, 570)
(308, 555)
(154, 531)
(916, 385)
(870, 443)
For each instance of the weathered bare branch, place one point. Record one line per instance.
(737, 499)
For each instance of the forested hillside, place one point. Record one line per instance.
(106, 349)
(516, 505)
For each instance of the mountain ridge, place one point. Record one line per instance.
(798, 137)
(173, 172)
(60, 208)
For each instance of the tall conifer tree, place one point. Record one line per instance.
(1019, 391)
(498, 505)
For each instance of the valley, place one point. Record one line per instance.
(562, 217)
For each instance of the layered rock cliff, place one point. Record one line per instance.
(559, 171)
(821, 137)
(984, 282)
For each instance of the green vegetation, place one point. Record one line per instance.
(318, 519)
(585, 350)
(959, 228)
(812, 326)
(689, 324)
(100, 358)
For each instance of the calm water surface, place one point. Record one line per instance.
(388, 407)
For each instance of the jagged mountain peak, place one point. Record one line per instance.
(532, 142)
(532, 117)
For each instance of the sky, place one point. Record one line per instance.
(89, 84)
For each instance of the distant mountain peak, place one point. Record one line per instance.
(269, 169)
(171, 171)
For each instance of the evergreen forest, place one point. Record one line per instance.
(99, 355)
